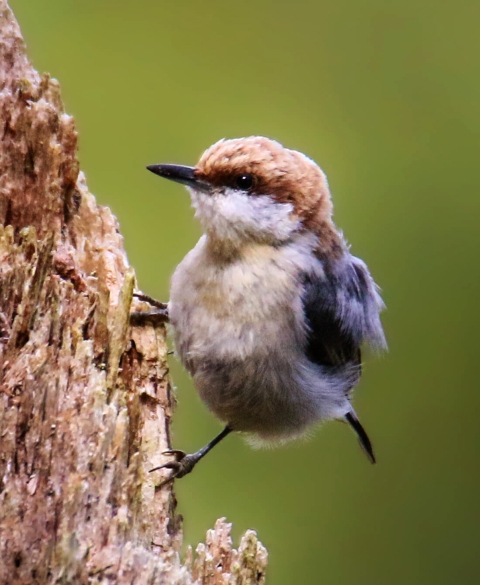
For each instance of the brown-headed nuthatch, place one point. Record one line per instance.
(269, 310)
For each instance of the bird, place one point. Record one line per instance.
(270, 309)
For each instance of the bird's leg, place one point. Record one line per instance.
(155, 317)
(183, 463)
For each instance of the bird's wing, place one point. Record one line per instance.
(342, 310)
(342, 307)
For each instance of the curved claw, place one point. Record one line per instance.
(176, 452)
(179, 468)
(169, 465)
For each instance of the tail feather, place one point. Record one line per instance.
(363, 439)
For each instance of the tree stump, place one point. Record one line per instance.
(85, 399)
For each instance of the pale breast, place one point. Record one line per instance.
(238, 308)
(240, 330)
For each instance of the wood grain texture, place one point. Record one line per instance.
(85, 399)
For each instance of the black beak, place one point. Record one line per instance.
(180, 174)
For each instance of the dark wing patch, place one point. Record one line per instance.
(342, 309)
(329, 344)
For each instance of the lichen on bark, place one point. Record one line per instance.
(85, 399)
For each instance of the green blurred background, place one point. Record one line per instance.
(385, 96)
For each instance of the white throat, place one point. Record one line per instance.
(235, 217)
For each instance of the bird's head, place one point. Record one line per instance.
(254, 189)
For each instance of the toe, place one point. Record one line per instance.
(175, 465)
(178, 453)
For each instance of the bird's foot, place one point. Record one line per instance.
(180, 466)
(156, 317)
(183, 463)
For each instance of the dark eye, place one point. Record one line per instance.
(245, 182)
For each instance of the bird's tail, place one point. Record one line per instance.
(363, 439)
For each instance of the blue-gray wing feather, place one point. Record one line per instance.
(342, 309)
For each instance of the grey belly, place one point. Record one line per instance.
(270, 397)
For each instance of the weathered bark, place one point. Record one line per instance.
(85, 400)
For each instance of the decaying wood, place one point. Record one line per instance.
(85, 400)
